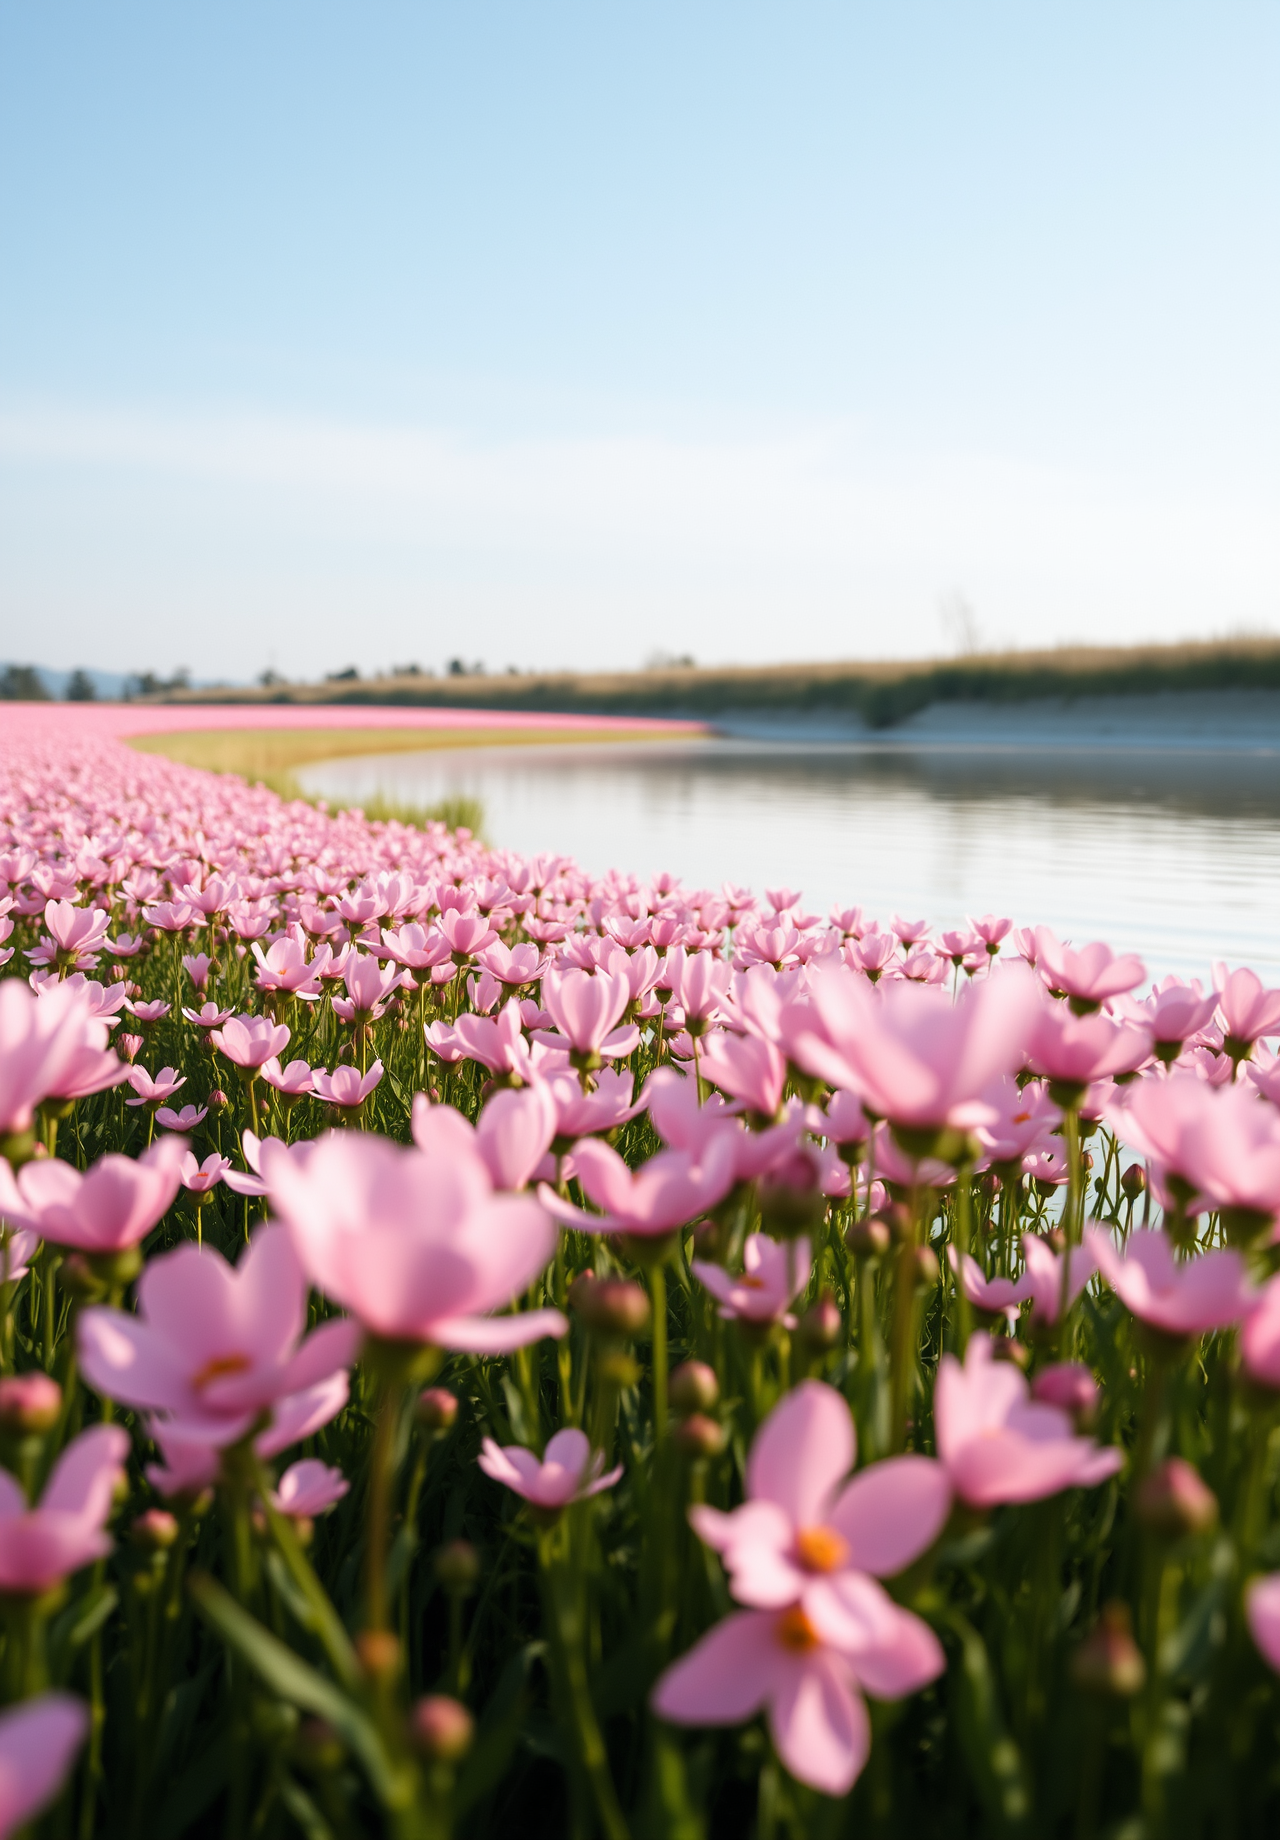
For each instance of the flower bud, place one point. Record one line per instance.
(926, 1267)
(457, 1568)
(79, 1280)
(699, 1436)
(30, 1404)
(693, 1387)
(156, 1530)
(613, 1307)
(217, 1100)
(711, 1240)
(822, 1326)
(442, 1728)
(1007, 1348)
(868, 1239)
(1173, 1501)
(1070, 1387)
(378, 1652)
(1108, 1660)
(1134, 1181)
(437, 1409)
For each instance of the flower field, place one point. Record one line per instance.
(488, 1350)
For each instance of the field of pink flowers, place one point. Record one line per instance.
(485, 1350)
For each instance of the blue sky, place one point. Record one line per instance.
(569, 334)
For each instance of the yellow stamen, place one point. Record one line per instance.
(821, 1549)
(796, 1632)
(220, 1368)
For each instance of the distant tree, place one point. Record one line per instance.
(456, 668)
(269, 679)
(349, 676)
(22, 683)
(80, 688)
(407, 670)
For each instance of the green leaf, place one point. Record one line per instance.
(79, 1623)
(500, 1730)
(293, 1680)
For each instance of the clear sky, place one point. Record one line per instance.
(567, 334)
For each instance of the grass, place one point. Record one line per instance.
(264, 753)
(270, 755)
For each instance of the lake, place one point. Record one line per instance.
(1160, 837)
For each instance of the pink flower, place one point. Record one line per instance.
(497, 1042)
(1024, 1120)
(772, 1276)
(580, 1114)
(286, 967)
(1071, 1387)
(200, 1178)
(41, 1546)
(414, 1242)
(1174, 1012)
(368, 985)
(513, 1133)
(467, 934)
(345, 1086)
(251, 1040)
(293, 1081)
(214, 1345)
(154, 1091)
(1219, 1140)
(522, 964)
(699, 983)
(667, 1192)
(185, 1120)
(308, 1488)
(1248, 1011)
(78, 935)
(804, 1551)
(998, 1444)
(208, 1016)
(586, 1008)
(48, 1043)
(1207, 1292)
(993, 1296)
(1260, 1337)
(39, 1739)
(1262, 1613)
(109, 1208)
(1073, 1051)
(197, 966)
(147, 1013)
(1089, 976)
(570, 1470)
(748, 1068)
(1041, 1281)
(913, 1056)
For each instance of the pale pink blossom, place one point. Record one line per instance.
(805, 1551)
(154, 1090)
(308, 1488)
(771, 1277)
(185, 1120)
(1249, 1012)
(912, 1055)
(1087, 977)
(1262, 1613)
(41, 1545)
(39, 1740)
(586, 1008)
(212, 1345)
(1073, 1051)
(110, 1207)
(48, 1043)
(748, 1068)
(1260, 1336)
(345, 1086)
(1194, 1296)
(292, 1082)
(201, 1178)
(998, 1444)
(415, 1243)
(251, 1040)
(670, 1190)
(569, 1471)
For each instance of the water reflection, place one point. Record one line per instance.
(1172, 852)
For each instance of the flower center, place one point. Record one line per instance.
(821, 1549)
(748, 1283)
(796, 1632)
(219, 1368)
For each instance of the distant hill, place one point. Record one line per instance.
(108, 686)
(876, 693)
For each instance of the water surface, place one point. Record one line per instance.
(1170, 850)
